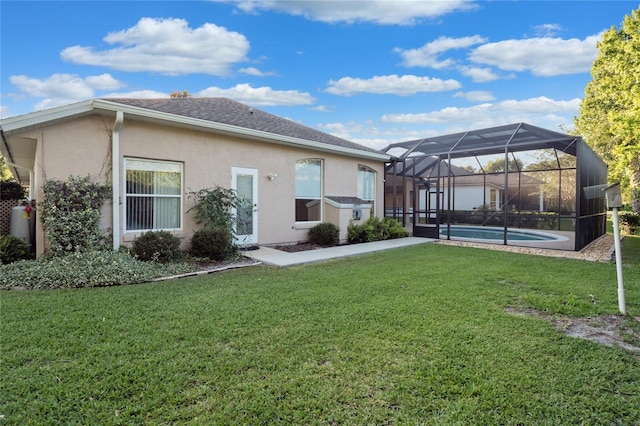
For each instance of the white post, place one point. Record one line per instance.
(541, 200)
(616, 237)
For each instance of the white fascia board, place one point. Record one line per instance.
(32, 119)
(238, 131)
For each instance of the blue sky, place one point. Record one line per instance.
(374, 72)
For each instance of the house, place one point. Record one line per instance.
(155, 151)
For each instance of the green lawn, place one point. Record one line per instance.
(410, 336)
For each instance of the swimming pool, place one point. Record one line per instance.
(493, 234)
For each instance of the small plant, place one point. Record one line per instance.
(213, 243)
(375, 229)
(13, 249)
(324, 234)
(157, 246)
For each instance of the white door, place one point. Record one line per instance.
(245, 183)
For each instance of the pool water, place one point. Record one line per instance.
(496, 234)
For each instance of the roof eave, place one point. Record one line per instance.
(21, 122)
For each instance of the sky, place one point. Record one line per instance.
(373, 72)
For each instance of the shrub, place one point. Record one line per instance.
(375, 229)
(13, 249)
(84, 269)
(213, 243)
(629, 222)
(71, 214)
(157, 246)
(11, 190)
(214, 207)
(324, 234)
(361, 233)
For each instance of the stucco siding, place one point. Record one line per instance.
(82, 147)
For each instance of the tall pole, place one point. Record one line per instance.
(618, 249)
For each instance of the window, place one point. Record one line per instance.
(493, 199)
(367, 185)
(153, 195)
(309, 190)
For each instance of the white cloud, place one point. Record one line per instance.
(4, 111)
(383, 12)
(369, 134)
(138, 94)
(478, 74)
(542, 56)
(322, 108)
(62, 89)
(255, 72)
(365, 133)
(103, 82)
(540, 110)
(259, 96)
(428, 55)
(476, 96)
(390, 85)
(547, 30)
(166, 46)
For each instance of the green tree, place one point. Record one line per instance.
(497, 165)
(557, 171)
(609, 118)
(5, 174)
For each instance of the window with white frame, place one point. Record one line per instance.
(309, 190)
(153, 195)
(367, 185)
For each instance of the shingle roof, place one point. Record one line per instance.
(227, 111)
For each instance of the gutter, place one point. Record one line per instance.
(115, 177)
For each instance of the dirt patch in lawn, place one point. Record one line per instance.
(609, 330)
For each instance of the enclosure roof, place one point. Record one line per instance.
(493, 140)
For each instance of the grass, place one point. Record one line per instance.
(417, 335)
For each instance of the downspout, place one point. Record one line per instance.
(115, 174)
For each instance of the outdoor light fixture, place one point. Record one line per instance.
(272, 176)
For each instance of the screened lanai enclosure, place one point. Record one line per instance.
(515, 184)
